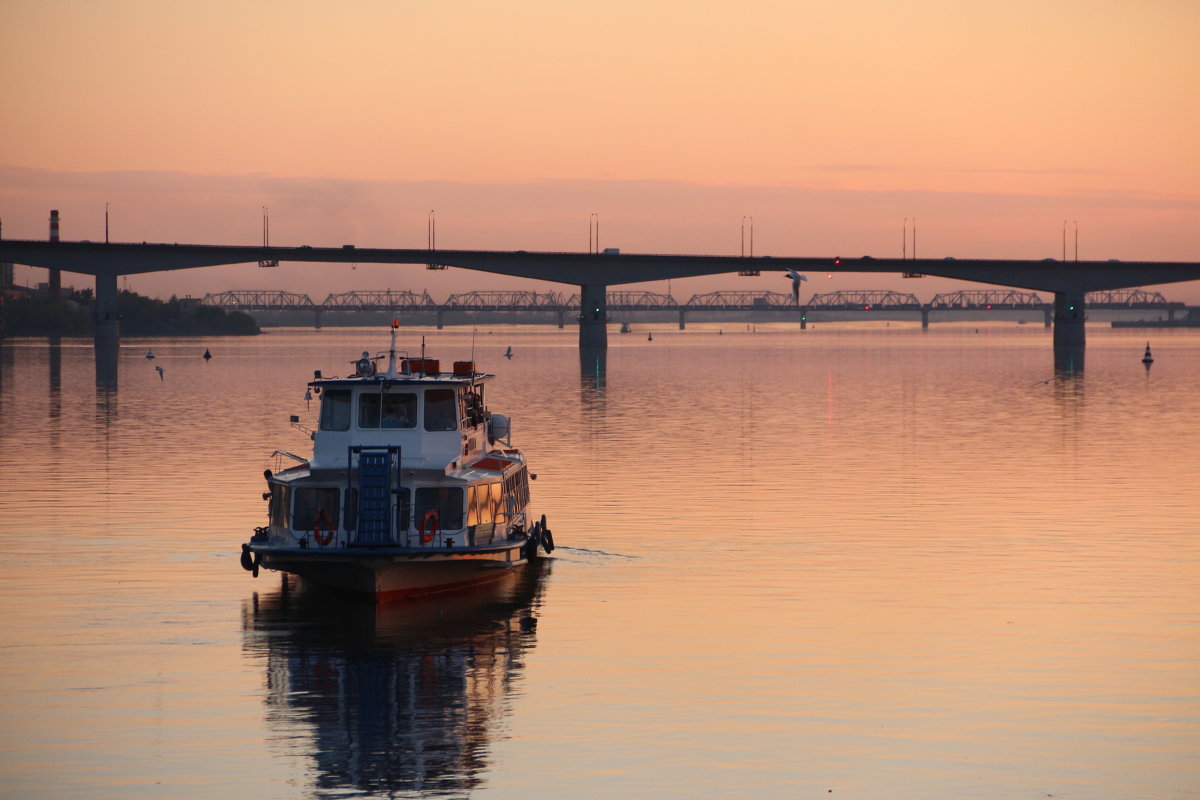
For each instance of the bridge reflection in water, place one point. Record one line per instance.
(400, 699)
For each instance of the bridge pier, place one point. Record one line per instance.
(106, 331)
(317, 317)
(562, 319)
(1069, 337)
(924, 318)
(804, 318)
(107, 322)
(682, 322)
(439, 319)
(593, 316)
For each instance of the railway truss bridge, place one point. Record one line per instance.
(561, 307)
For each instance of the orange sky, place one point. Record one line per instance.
(828, 122)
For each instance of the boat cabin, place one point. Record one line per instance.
(403, 459)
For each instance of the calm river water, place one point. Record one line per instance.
(849, 562)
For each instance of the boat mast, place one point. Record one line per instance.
(392, 352)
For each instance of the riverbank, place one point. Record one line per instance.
(36, 314)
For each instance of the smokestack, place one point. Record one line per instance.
(55, 275)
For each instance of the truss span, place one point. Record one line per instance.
(253, 300)
(386, 300)
(1129, 298)
(851, 300)
(742, 300)
(504, 301)
(976, 300)
(632, 301)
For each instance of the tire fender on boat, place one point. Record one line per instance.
(535, 539)
(250, 561)
(323, 528)
(429, 526)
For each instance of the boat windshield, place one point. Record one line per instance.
(441, 412)
(391, 410)
(335, 410)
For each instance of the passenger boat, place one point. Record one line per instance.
(412, 488)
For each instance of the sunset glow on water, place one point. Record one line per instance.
(873, 562)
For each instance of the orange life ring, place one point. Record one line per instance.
(429, 526)
(323, 528)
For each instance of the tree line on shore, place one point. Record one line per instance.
(36, 314)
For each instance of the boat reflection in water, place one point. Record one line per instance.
(399, 699)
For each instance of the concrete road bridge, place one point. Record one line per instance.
(593, 273)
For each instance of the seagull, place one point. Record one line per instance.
(796, 278)
(160, 373)
(508, 353)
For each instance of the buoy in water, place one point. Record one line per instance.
(1147, 359)
(149, 354)
(207, 355)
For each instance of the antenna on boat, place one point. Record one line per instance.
(392, 352)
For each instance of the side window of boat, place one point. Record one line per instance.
(441, 410)
(447, 501)
(280, 500)
(335, 410)
(313, 504)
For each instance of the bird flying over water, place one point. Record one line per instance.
(160, 373)
(796, 277)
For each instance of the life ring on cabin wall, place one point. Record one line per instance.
(429, 526)
(323, 528)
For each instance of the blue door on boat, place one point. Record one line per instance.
(375, 473)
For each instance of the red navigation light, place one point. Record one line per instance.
(837, 261)
(989, 305)
(866, 308)
(395, 323)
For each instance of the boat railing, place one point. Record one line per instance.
(301, 459)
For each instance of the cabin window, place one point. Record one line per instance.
(441, 410)
(485, 504)
(499, 514)
(313, 504)
(403, 509)
(447, 501)
(280, 500)
(392, 410)
(335, 410)
(516, 486)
